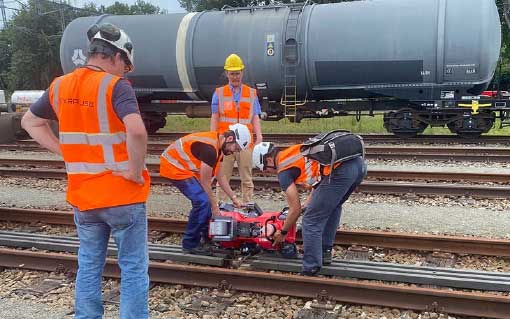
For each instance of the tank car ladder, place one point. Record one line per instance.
(290, 62)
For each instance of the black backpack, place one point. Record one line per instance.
(333, 147)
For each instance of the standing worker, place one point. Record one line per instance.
(323, 206)
(237, 103)
(190, 163)
(103, 141)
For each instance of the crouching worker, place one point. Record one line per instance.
(190, 163)
(323, 206)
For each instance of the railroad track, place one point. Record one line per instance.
(368, 187)
(347, 291)
(368, 138)
(388, 174)
(437, 276)
(473, 154)
(342, 290)
(389, 240)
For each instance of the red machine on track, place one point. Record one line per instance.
(250, 230)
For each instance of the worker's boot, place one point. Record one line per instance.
(327, 256)
(289, 250)
(204, 250)
(311, 273)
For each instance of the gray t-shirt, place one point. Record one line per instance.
(123, 101)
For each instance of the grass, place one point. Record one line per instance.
(367, 124)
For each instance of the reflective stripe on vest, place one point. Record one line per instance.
(95, 168)
(304, 164)
(178, 146)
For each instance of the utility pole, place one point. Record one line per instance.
(4, 16)
(62, 16)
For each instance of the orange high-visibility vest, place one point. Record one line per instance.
(93, 141)
(231, 113)
(292, 157)
(177, 161)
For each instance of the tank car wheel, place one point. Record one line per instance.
(471, 126)
(153, 121)
(403, 123)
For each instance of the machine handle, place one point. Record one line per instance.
(273, 218)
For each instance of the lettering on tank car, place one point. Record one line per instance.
(447, 94)
(461, 65)
(471, 71)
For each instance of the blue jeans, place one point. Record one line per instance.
(198, 220)
(322, 216)
(128, 226)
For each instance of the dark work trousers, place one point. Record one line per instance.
(322, 216)
(198, 220)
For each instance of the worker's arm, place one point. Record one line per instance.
(215, 115)
(257, 129)
(39, 129)
(225, 186)
(214, 121)
(292, 196)
(136, 147)
(206, 181)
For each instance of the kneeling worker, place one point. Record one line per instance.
(323, 206)
(190, 163)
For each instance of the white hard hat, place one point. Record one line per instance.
(115, 36)
(259, 151)
(242, 134)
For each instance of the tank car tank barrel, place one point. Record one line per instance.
(407, 49)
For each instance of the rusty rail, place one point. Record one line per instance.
(391, 240)
(390, 174)
(483, 154)
(348, 291)
(368, 138)
(370, 187)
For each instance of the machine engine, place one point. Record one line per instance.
(250, 230)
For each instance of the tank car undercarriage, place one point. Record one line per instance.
(466, 118)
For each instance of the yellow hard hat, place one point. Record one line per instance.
(234, 63)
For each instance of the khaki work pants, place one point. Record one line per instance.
(244, 166)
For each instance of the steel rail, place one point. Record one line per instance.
(390, 240)
(390, 174)
(478, 154)
(368, 138)
(346, 291)
(382, 271)
(392, 272)
(368, 187)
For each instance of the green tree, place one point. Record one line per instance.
(30, 43)
(5, 58)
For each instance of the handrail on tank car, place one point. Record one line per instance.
(279, 6)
